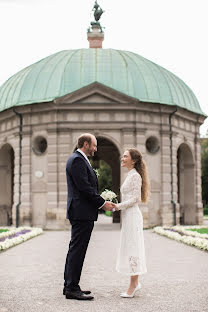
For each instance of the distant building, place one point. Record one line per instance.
(121, 97)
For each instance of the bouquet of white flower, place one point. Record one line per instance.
(110, 196)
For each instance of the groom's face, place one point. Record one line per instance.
(92, 148)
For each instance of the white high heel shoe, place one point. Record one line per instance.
(125, 295)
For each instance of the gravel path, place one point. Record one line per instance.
(31, 275)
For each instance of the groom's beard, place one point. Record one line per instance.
(91, 153)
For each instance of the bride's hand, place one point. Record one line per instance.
(115, 207)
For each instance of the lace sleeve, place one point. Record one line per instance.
(135, 183)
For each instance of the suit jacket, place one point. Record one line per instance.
(83, 198)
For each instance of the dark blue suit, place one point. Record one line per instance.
(82, 210)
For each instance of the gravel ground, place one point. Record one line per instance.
(31, 275)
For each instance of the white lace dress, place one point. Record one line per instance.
(131, 255)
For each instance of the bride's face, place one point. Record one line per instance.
(126, 160)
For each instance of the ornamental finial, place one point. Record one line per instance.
(95, 31)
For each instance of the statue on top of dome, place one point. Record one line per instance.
(97, 15)
(97, 11)
(95, 25)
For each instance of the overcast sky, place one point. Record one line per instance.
(171, 33)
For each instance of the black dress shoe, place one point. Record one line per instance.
(86, 292)
(77, 295)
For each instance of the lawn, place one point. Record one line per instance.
(201, 231)
(3, 230)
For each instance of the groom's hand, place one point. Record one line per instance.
(108, 206)
(115, 207)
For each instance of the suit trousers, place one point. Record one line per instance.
(80, 236)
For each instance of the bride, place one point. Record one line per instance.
(131, 256)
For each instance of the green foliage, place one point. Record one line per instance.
(204, 159)
(105, 175)
(206, 210)
(3, 230)
(201, 231)
(108, 213)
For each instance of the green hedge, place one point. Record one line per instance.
(206, 210)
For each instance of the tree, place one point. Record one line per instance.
(204, 159)
(105, 175)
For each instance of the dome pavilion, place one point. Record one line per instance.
(121, 97)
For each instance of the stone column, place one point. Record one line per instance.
(52, 153)
(65, 150)
(26, 202)
(39, 180)
(16, 178)
(166, 207)
(198, 186)
(175, 179)
(128, 138)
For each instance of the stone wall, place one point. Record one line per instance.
(123, 121)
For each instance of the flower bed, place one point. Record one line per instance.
(15, 236)
(185, 235)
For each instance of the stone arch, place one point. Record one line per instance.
(97, 135)
(186, 184)
(109, 152)
(7, 142)
(189, 146)
(111, 139)
(7, 184)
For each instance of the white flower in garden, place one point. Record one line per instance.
(186, 236)
(20, 236)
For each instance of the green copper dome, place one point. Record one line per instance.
(66, 71)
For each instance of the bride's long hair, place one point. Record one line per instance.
(141, 168)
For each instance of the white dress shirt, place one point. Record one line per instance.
(83, 154)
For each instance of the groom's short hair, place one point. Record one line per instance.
(86, 137)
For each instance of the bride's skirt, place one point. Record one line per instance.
(131, 254)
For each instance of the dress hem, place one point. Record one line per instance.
(132, 274)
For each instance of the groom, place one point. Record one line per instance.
(82, 210)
